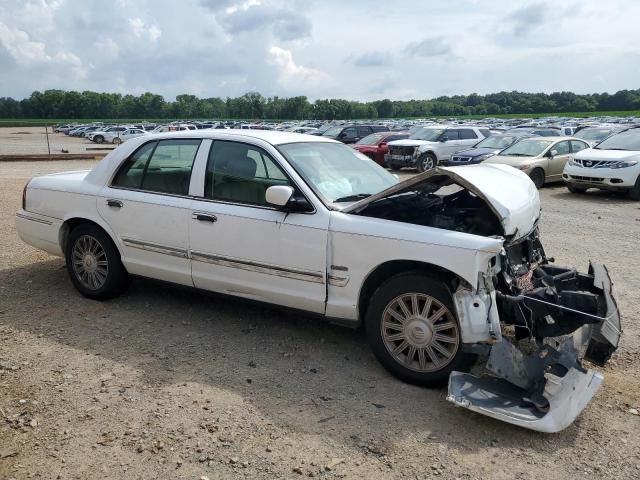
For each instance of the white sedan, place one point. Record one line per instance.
(444, 269)
(118, 137)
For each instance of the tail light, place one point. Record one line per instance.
(24, 196)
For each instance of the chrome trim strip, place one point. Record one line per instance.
(34, 219)
(306, 276)
(154, 247)
(338, 281)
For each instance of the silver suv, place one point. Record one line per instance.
(432, 146)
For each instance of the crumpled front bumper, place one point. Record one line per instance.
(547, 387)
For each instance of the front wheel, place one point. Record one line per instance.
(574, 189)
(537, 177)
(413, 330)
(116, 141)
(634, 192)
(93, 263)
(98, 139)
(426, 161)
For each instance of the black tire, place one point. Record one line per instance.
(537, 177)
(426, 162)
(575, 189)
(98, 139)
(98, 282)
(116, 141)
(634, 192)
(383, 299)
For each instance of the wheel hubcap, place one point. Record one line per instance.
(90, 263)
(420, 332)
(427, 164)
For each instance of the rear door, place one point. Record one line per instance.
(147, 205)
(451, 145)
(242, 246)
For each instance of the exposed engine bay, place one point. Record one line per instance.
(441, 203)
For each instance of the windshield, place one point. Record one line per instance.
(593, 134)
(428, 134)
(372, 139)
(333, 132)
(629, 140)
(337, 173)
(529, 147)
(498, 142)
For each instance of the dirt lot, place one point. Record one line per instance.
(170, 383)
(33, 140)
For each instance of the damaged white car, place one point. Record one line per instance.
(445, 270)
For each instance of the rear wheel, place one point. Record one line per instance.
(413, 330)
(426, 161)
(537, 177)
(93, 263)
(634, 193)
(575, 189)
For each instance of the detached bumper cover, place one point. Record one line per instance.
(546, 389)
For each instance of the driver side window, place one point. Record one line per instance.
(240, 173)
(562, 148)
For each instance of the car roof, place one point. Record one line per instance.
(274, 137)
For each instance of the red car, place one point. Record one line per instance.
(374, 146)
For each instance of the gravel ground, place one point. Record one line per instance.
(33, 140)
(165, 382)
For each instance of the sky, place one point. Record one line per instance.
(353, 49)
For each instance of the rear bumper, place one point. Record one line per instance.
(547, 387)
(39, 231)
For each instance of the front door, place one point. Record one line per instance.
(148, 207)
(558, 161)
(242, 246)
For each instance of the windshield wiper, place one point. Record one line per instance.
(352, 198)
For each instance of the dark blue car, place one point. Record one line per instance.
(484, 149)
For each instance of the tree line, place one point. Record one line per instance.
(252, 105)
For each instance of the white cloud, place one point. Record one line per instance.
(20, 46)
(141, 29)
(290, 73)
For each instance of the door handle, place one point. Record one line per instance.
(114, 203)
(204, 217)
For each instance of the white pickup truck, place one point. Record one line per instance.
(444, 269)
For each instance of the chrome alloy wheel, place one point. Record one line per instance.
(90, 263)
(420, 332)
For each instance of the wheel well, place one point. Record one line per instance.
(389, 269)
(69, 225)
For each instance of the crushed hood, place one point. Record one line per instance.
(509, 193)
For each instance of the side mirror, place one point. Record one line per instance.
(342, 134)
(382, 144)
(553, 153)
(444, 139)
(279, 195)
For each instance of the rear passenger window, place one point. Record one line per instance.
(363, 131)
(163, 167)
(130, 173)
(467, 134)
(169, 169)
(241, 173)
